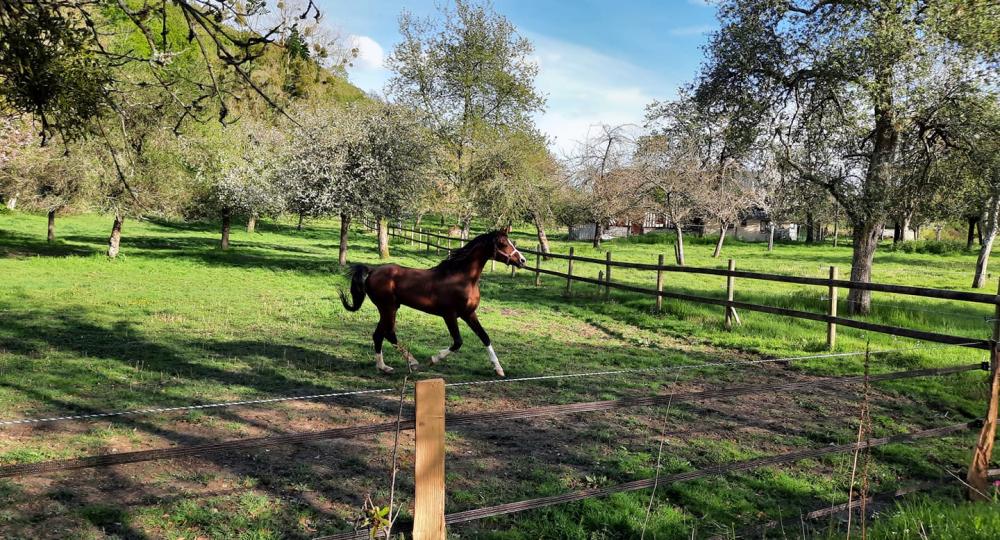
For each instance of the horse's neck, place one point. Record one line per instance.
(475, 265)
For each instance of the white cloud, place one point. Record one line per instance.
(695, 30)
(371, 56)
(585, 88)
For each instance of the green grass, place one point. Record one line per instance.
(176, 321)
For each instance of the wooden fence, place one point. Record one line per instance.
(729, 305)
(979, 467)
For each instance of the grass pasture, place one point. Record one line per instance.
(176, 321)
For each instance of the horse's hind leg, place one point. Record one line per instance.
(389, 316)
(456, 340)
(377, 337)
(476, 327)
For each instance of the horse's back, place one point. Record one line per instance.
(426, 290)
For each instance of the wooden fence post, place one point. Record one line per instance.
(831, 328)
(428, 476)
(659, 284)
(427, 241)
(607, 275)
(600, 279)
(731, 316)
(983, 453)
(538, 265)
(493, 265)
(569, 271)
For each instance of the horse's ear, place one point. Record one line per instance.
(505, 229)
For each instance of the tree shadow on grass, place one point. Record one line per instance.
(16, 245)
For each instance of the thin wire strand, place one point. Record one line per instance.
(191, 407)
(692, 366)
(311, 397)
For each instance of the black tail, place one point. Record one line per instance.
(358, 273)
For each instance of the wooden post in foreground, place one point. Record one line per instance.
(569, 271)
(427, 240)
(428, 475)
(659, 284)
(979, 468)
(730, 281)
(538, 265)
(607, 275)
(831, 328)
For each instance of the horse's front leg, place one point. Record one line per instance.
(456, 340)
(476, 327)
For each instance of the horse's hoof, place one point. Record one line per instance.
(499, 371)
(385, 369)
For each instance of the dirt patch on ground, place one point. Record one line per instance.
(327, 481)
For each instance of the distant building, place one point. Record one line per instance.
(754, 228)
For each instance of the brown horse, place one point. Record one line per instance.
(449, 290)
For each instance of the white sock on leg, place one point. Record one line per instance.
(380, 364)
(494, 360)
(440, 356)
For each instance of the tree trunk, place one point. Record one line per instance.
(345, 228)
(383, 237)
(770, 236)
(12, 201)
(543, 240)
(302, 217)
(52, 226)
(972, 233)
(597, 234)
(680, 244)
(722, 238)
(416, 224)
(252, 224)
(989, 235)
(937, 233)
(836, 231)
(979, 230)
(227, 221)
(866, 237)
(114, 242)
(810, 229)
(897, 235)
(466, 226)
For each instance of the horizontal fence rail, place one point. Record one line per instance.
(453, 421)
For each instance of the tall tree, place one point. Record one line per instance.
(470, 73)
(515, 177)
(670, 169)
(243, 181)
(389, 160)
(602, 168)
(46, 179)
(861, 75)
(974, 168)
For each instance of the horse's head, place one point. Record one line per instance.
(505, 251)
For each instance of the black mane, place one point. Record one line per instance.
(459, 258)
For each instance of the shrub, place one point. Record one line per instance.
(933, 247)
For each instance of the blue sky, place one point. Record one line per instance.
(600, 61)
